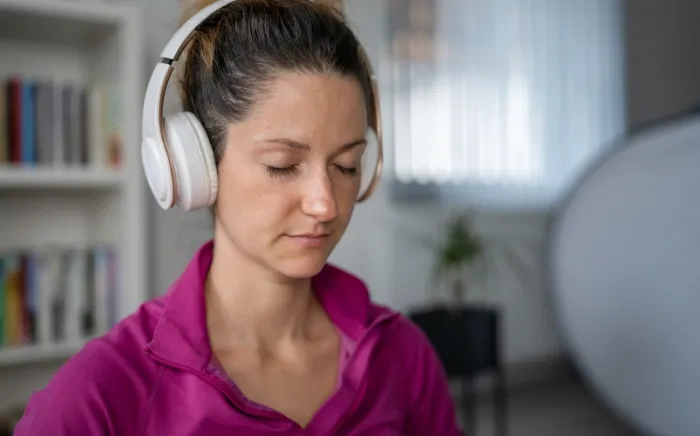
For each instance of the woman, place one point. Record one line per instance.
(259, 336)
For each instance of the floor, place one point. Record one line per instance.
(565, 409)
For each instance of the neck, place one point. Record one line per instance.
(249, 306)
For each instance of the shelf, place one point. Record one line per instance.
(80, 45)
(50, 178)
(21, 355)
(60, 21)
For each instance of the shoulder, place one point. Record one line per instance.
(423, 383)
(103, 389)
(344, 292)
(402, 340)
(404, 336)
(350, 293)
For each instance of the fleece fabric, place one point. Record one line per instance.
(154, 374)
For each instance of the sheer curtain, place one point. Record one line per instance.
(504, 101)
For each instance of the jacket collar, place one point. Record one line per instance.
(181, 336)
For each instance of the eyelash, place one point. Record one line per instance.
(288, 171)
(352, 172)
(281, 172)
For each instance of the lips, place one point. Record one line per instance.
(310, 239)
(311, 235)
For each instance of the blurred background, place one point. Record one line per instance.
(495, 112)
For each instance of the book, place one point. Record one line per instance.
(56, 294)
(53, 123)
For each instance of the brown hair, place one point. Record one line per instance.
(241, 47)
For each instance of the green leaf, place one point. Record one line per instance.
(462, 251)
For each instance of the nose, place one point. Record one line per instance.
(318, 200)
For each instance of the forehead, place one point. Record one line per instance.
(310, 107)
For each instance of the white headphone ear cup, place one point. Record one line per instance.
(193, 161)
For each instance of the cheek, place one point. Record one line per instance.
(346, 193)
(249, 199)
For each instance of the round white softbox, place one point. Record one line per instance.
(624, 259)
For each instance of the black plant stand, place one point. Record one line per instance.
(467, 341)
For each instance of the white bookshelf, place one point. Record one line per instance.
(76, 205)
(38, 354)
(59, 179)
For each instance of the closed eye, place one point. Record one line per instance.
(288, 171)
(281, 172)
(346, 170)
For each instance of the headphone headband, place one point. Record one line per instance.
(158, 160)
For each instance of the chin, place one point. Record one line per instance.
(301, 267)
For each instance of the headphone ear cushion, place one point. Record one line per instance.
(193, 160)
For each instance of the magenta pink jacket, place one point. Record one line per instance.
(153, 374)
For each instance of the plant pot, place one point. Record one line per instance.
(466, 338)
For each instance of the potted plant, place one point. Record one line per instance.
(463, 257)
(466, 337)
(460, 248)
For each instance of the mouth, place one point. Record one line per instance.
(310, 239)
(311, 235)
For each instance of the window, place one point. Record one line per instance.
(502, 102)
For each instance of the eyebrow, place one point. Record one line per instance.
(304, 147)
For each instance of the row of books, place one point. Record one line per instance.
(50, 122)
(56, 294)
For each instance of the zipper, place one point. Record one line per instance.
(226, 390)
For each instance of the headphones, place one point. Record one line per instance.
(176, 154)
